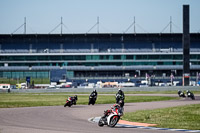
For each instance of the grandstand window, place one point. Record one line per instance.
(81, 57)
(128, 63)
(17, 57)
(178, 63)
(105, 57)
(123, 57)
(155, 57)
(193, 56)
(159, 63)
(165, 57)
(67, 57)
(7, 75)
(198, 56)
(117, 57)
(43, 58)
(88, 57)
(95, 57)
(2, 58)
(92, 57)
(110, 63)
(31, 58)
(168, 63)
(177, 57)
(129, 57)
(17, 74)
(152, 63)
(110, 57)
(54, 57)
(90, 64)
(141, 57)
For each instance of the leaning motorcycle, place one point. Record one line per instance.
(112, 118)
(190, 95)
(70, 101)
(92, 99)
(181, 94)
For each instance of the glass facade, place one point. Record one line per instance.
(97, 60)
(33, 74)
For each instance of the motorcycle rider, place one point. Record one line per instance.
(190, 94)
(187, 91)
(94, 95)
(120, 95)
(181, 94)
(73, 99)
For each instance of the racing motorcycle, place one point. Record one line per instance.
(92, 99)
(190, 95)
(111, 117)
(70, 101)
(181, 94)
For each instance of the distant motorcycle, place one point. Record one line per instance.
(190, 95)
(111, 117)
(70, 101)
(181, 93)
(92, 99)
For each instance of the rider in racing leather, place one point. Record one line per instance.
(72, 99)
(94, 93)
(121, 95)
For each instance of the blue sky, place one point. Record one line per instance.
(80, 15)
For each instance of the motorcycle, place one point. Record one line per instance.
(92, 99)
(111, 117)
(190, 95)
(70, 101)
(181, 94)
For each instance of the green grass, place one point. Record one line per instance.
(183, 117)
(28, 100)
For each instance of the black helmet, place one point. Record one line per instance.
(120, 91)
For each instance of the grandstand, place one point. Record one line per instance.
(96, 55)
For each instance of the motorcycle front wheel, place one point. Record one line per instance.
(113, 121)
(100, 123)
(65, 105)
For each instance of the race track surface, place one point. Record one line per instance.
(57, 119)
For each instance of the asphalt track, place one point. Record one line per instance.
(57, 119)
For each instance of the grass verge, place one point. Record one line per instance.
(182, 117)
(13, 100)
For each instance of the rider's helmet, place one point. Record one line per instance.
(119, 91)
(94, 90)
(187, 91)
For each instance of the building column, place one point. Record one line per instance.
(186, 45)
